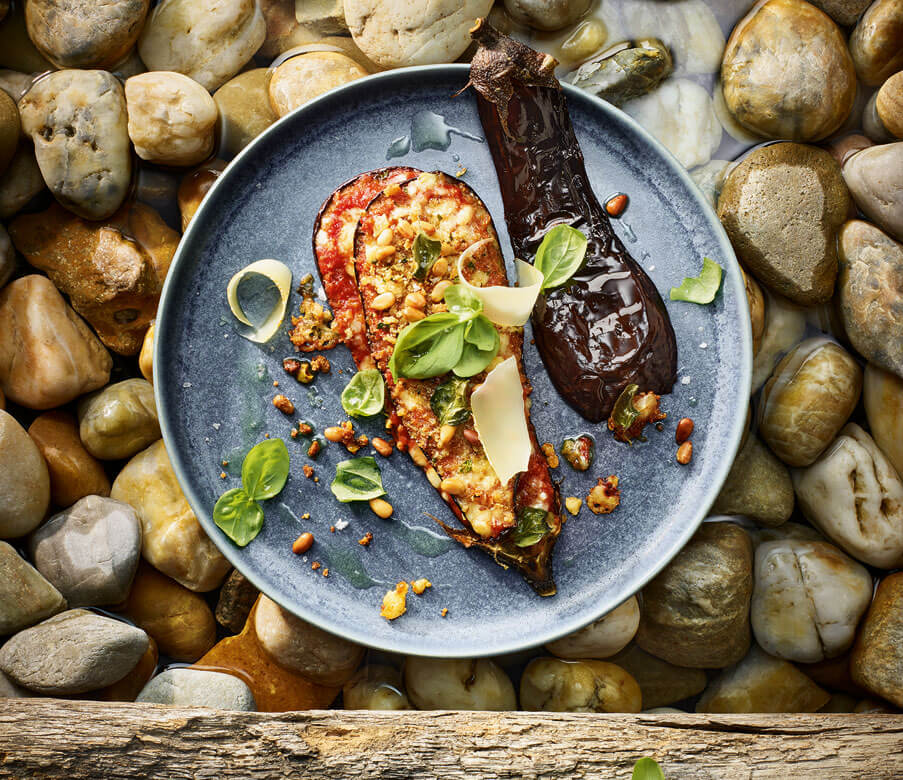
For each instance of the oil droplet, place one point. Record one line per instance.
(399, 147)
(692, 401)
(430, 131)
(422, 540)
(349, 564)
(628, 231)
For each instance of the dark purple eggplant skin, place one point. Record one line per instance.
(608, 327)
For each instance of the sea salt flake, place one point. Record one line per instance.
(703, 345)
(341, 525)
(186, 385)
(216, 426)
(685, 380)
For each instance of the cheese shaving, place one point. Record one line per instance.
(281, 276)
(501, 421)
(507, 306)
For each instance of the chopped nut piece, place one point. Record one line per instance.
(310, 331)
(315, 565)
(303, 543)
(222, 475)
(332, 529)
(308, 471)
(418, 586)
(551, 457)
(320, 364)
(325, 572)
(314, 449)
(685, 453)
(573, 504)
(444, 611)
(305, 516)
(605, 496)
(305, 429)
(632, 412)
(684, 430)
(395, 602)
(579, 452)
(275, 383)
(461, 171)
(365, 541)
(299, 369)
(284, 404)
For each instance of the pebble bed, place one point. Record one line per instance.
(115, 119)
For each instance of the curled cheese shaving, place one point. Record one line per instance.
(507, 306)
(281, 276)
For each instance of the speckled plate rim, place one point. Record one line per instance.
(629, 586)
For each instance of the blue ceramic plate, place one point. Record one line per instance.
(214, 389)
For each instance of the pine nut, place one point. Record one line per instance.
(381, 508)
(440, 267)
(685, 453)
(684, 429)
(465, 215)
(415, 300)
(334, 433)
(433, 476)
(446, 434)
(471, 435)
(418, 457)
(385, 238)
(383, 447)
(411, 314)
(438, 292)
(453, 485)
(376, 253)
(303, 543)
(425, 227)
(616, 205)
(382, 301)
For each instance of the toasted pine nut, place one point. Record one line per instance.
(453, 485)
(440, 267)
(382, 301)
(415, 300)
(385, 238)
(381, 508)
(334, 433)
(375, 253)
(284, 404)
(417, 456)
(425, 227)
(438, 292)
(684, 429)
(616, 205)
(303, 543)
(685, 453)
(471, 435)
(411, 314)
(383, 447)
(446, 434)
(433, 476)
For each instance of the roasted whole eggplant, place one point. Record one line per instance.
(608, 327)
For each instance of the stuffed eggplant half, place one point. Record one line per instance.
(424, 252)
(607, 328)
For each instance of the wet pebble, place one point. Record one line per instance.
(458, 684)
(244, 110)
(876, 43)
(24, 480)
(556, 685)
(198, 688)
(875, 179)
(119, 420)
(302, 78)
(877, 659)
(26, 597)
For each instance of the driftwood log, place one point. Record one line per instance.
(48, 738)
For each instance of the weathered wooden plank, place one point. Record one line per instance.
(78, 739)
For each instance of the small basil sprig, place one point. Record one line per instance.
(461, 340)
(365, 394)
(560, 255)
(700, 289)
(449, 402)
(426, 252)
(647, 769)
(357, 479)
(264, 472)
(531, 526)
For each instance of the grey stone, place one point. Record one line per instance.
(25, 596)
(875, 179)
(870, 291)
(781, 208)
(90, 552)
(182, 687)
(758, 486)
(9, 690)
(24, 479)
(74, 652)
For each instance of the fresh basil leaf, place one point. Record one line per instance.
(531, 526)
(265, 469)
(560, 255)
(428, 348)
(647, 769)
(700, 289)
(481, 345)
(365, 394)
(462, 302)
(426, 252)
(449, 402)
(357, 479)
(238, 515)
